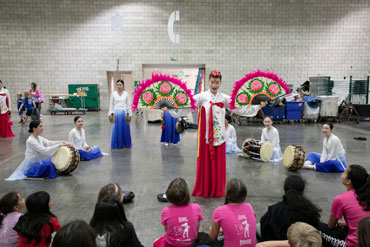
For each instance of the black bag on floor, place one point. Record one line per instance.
(35, 116)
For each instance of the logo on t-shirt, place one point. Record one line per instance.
(183, 229)
(242, 228)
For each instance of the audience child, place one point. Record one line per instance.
(181, 220)
(299, 235)
(294, 207)
(116, 190)
(37, 225)
(75, 234)
(236, 218)
(352, 205)
(363, 232)
(111, 226)
(10, 205)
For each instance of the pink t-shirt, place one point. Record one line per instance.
(182, 222)
(346, 205)
(238, 222)
(9, 237)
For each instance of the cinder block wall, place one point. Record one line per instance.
(56, 42)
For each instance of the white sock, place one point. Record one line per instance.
(309, 165)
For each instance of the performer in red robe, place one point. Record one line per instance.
(5, 127)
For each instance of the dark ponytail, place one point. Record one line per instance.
(7, 204)
(361, 184)
(300, 208)
(33, 125)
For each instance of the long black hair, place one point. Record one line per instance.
(76, 233)
(38, 214)
(109, 219)
(7, 204)
(300, 208)
(361, 183)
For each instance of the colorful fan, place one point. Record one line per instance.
(163, 91)
(257, 86)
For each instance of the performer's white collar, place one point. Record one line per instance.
(217, 94)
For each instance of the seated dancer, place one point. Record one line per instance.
(231, 145)
(36, 147)
(77, 138)
(169, 134)
(333, 157)
(271, 134)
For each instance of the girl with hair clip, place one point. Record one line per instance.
(299, 235)
(363, 232)
(236, 218)
(169, 134)
(352, 205)
(116, 190)
(36, 147)
(231, 145)
(5, 108)
(181, 220)
(111, 226)
(332, 158)
(37, 225)
(76, 233)
(211, 159)
(294, 207)
(120, 112)
(77, 138)
(10, 205)
(271, 134)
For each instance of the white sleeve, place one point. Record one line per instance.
(71, 136)
(111, 104)
(9, 100)
(177, 113)
(84, 139)
(275, 138)
(247, 111)
(334, 149)
(47, 149)
(232, 137)
(263, 136)
(323, 154)
(128, 103)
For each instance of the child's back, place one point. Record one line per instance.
(182, 223)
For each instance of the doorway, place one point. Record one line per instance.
(126, 76)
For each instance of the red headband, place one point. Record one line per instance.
(215, 73)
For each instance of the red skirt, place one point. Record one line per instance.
(5, 126)
(211, 174)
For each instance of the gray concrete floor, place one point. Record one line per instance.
(148, 168)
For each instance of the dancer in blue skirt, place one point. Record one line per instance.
(77, 138)
(36, 147)
(120, 110)
(332, 158)
(169, 134)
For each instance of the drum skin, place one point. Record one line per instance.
(294, 157)
(257, 150)
(66, 159)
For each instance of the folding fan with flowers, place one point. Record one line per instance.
(163, 91)
(257, 86)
